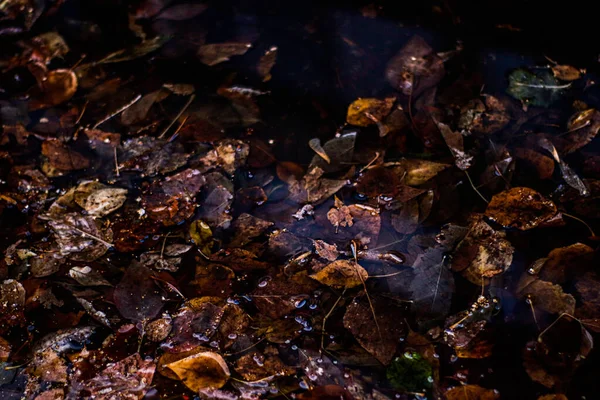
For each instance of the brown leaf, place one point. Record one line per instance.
(98, 199)
(86, 276)
(566, 72)
(582, 128)
(454, 140)
(255, 366)
(129, 378)
(138, 110)
(182, 12)
(547, 297)
(326, 250)
(520, 208)
(266, 63)
(61, 157)
(81, 238)
(49, 366)
(407, 220)
(369, 111)
(206, 370)
(543, 165)
(137, 296)
(57, 87)
(246, 228)
(563, 263)
(314, 189)
(488, 118)
(414, 68)
(342, 274)
(471, 392)
(379, 337)
(239, 260)
(159, 329)
(193, 325)
(213, 279)
(327, 392)
(281, 294)
(416, 172)
(381, 182)
(482, 254)
(340, 215)
(216, 53)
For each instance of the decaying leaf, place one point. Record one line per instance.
(247, 228)
(266, 63)
(56, 87)
(471, 392)
(202, 236)
(432, 286)
(416, 172)
(137, 296)
(369, 111)
(454, 140)
(539, 89)
(378, 334)
(414, 68)
(338, 153)
(216, 53)
(581, 129)
(520, 207)
(62, 157)
(98, 199)
(342, 274)
(546, 296)
(566, 72)
(314, 189)
(81, 238)
(12, 305)
(205, 370)
(340, 215)
(543, 165)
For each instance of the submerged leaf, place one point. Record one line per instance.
(266, 63)
(454, 140)
(205, 370)
(57, 87)
(342, 274)
(471, 392)
(520, 207)
(81, 238)
(216, 53)
(539, 89)
(581, 129)
(98, 199)
(338, 150)
(365, 112)
(202, 236)
(137, 296)
(411, 373)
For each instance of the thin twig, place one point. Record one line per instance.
(327, 316)
(82, 112)
(474, 188)
(84, 233)
(355, 252)
(192, 97)
(530, 302)
(120, 110)
(116, 162)
(580, 220)
(174, 135)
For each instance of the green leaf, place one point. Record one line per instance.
(539, 89)
(202, 236)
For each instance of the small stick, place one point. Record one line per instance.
(192, 97)
(474, 188)
(120, 110)
(116, 161)
(327, 316)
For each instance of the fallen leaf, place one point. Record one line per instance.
(98, 199)
(182, 12)
(544, 166)
(471, 392)
(342, 274)
(538, 89)
(81, 238)
(414, 68)
(581, 129)
(339, 152)
(340, 215)
(369, 111)
(216, 53)
(247, 228)
(564, 263)
(314, 189)
(566, 72)
(86, 276)
(62, 157)
(520, 208)
(12, 305)
(454, 140)
(378, 336)
(205, 370)
(48, 366)
(416, 172)
(547, 297)
(266, 63)
(432, 286)
(57, 86)
(255, 366)
(202, 236)
(137, 295)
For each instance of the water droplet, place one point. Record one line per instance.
(264, 281)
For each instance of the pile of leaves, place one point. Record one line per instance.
(171, 235)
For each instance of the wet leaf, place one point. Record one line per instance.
(206, 370)
(138, 111)
(340, 215)
(202, 236)
(482, 254)
(327, 392)
(544, 166)
(581, 129)
(216, 53)
(566, 72)
(215, 208)
(454, 140)
(256, 366)
(81, 238)
(471, 392)
(564, 263)
(342, 274)
(86, 276)
(129, 378)
(485, 117)
(281, 295)
(339, 151)
(194, 325)
(410, 373)
(538, 89)
(181, 12)
(369, 111)
(314, 189)
(416, 172)
(57, 87)
(568, 174)
(266, 63)
(137, 296)
(247, 228)
(414, 68)
(98, 199)
(520, 208)
(432, 286)
(407, 220)
(12, 305)
(548, 297)
(378, 336)
(49, 366)
(213, 279)
(61, 157)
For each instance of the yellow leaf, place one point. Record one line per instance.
(205, 370)
(365, 112)
(342, 274)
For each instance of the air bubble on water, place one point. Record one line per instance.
(300, 303)
(312, 377)
(214, 344)
(294, 347)
(453, 358)
(303, 385)
(232, 336)
(312, 306)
